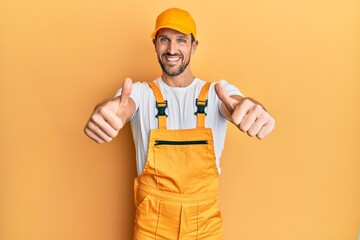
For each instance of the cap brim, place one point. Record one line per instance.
(174, 27)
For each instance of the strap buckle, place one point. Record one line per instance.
(201, 105)
(161, 109)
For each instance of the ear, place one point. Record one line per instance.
(154, 41)
(194, 46)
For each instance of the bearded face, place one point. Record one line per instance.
(173, 64)
(174, 51)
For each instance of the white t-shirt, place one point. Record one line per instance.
(180, 111)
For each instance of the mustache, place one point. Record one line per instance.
(171, 55)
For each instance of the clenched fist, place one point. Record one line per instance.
(247, 114)
(111, 115)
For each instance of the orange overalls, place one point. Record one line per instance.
(176, 196)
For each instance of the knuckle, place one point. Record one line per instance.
(243, 127)
(273, 121)
(93, 118)
(264, 116)
(258, 108)
(103, 111)
(251, 133)
(235, 120)
(113, 134)
(117, 128)
(260, 136)
(86, 130)
(91, 126)
(247, 102)
(271, 128)
(117, 125)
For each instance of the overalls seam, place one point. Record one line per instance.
(158, 217)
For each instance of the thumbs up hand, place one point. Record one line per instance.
(247, 114)
(111, 115)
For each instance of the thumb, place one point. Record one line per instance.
(125, 93)
(229, 102)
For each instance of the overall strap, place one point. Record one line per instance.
(161, 105)
(201, 103)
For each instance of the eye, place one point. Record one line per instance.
(181, 40)
(164, 40)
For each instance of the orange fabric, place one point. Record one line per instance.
(176, 196)
(200, 121)
(204, 91)
(161, 102)
(177, 19)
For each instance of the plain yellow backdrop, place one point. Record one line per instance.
(301, 59)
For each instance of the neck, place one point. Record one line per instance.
(182, 80)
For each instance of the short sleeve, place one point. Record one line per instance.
(230, 90)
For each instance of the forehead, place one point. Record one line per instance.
(171, 32)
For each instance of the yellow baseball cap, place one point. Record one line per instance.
(177, 19)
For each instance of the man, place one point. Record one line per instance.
(174, 119)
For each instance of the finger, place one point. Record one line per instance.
(241, 111)
(103, 125)
(125, 93)
(228, 101)
(250, 118)
(257, 125)
(107, 129)
(112, 119)
(98, 131)
(92, 135)
(266, 129)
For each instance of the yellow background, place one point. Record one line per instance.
(301, 59)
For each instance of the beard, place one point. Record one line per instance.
(173, 72)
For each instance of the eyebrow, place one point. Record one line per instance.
(179, 36)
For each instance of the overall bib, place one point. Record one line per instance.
(176, 196)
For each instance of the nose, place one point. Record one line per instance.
(172, 47)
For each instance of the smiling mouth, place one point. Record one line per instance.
(172, 58)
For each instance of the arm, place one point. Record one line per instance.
(246, 113)
(110, 116)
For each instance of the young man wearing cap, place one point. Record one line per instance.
(178, 123)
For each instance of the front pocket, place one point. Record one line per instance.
(182, 166)
(210, 220)
(191, 142)
(146, 217)
(141, 200)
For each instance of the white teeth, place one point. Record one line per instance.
(172, 59)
